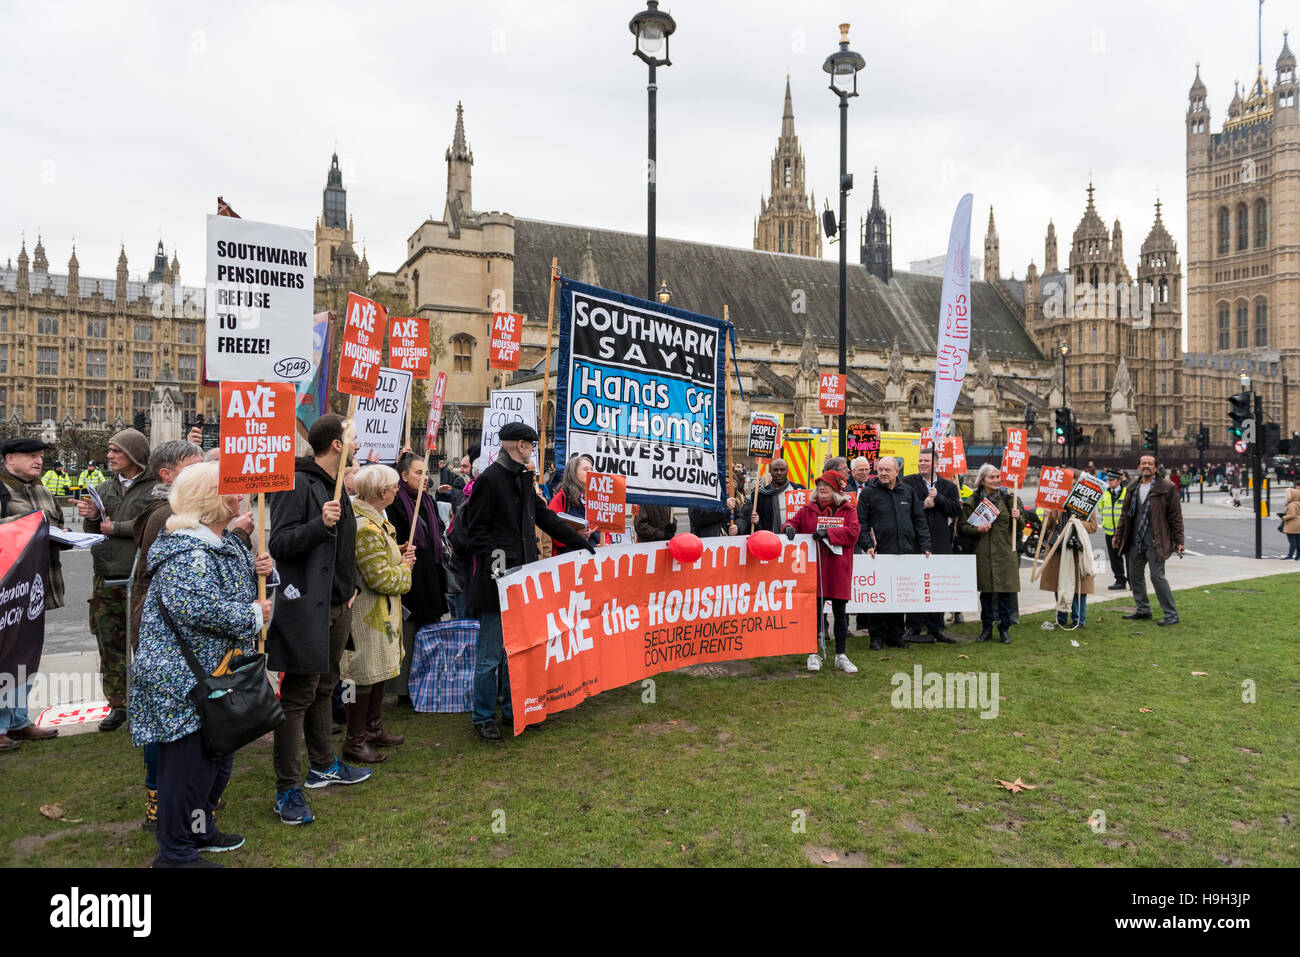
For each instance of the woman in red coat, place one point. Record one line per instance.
(830, 519)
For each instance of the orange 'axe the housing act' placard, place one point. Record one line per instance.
(606, 499)
(507, 338)
(257, 437)
(1054, 485)
(362, 352)
(408, 346)
(830, 397)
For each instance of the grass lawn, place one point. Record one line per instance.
(723, 770)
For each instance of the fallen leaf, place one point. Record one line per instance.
(52, 811)
(1145, 710)
(1018, 734)
(1092, 822)
(72, 820)
(886, 658)
(1247, 751)
(672, 722)
(830, 858)
(683, 847)
(963, 656)
(1016, 786)
(1200, 673)
(473, 838)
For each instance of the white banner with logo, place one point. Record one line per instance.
(907, 583)
(954, 319)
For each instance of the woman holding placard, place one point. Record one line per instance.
(1068, 570)
(427, 599)
(988, 515)
(384, 575)
(833, 521)
(571, 500)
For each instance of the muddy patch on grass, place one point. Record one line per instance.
(664, 727)
(720, 669)
(912, 827)
(1174, 835)
(24, 847)
(829, 857)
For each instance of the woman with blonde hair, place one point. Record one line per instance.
(203, 595)
(384, 576)
(997, 554)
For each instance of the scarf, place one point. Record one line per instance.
(1073, 567)
(428, 511)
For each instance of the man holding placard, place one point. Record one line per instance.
(313, 540)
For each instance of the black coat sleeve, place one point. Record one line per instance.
(558, 528)
(294, 528)
(920, 523)
(864, 518)
(948, 500)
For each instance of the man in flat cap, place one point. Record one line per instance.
(125, 496)
(501, 517)
(21, 493)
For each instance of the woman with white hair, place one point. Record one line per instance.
(384, 576)
(997, 556)
(203, 594)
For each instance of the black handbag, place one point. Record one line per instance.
(235, 708)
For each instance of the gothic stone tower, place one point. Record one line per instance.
(787, 223)
(333, 228)
(1243, 231)
(877, 237)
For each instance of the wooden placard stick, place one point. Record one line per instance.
(726, 373)
(349, 436)
(546, 376)
(419, 494)
(410, 394)
(261, 549)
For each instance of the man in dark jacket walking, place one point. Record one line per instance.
(501, 518)
(1150, 530)
(941, 503)
(313, 541)
(892, 520)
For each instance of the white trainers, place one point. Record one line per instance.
(842, 662)
(814, 662)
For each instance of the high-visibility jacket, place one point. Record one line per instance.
(55, 483)
(1111, 507)
(90, 477)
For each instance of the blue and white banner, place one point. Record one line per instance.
(641, 391)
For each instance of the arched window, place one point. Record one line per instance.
(415, 290)
(1163, 346)
(1225, 332)
(787, 174)
(1094, 277)
(1243, 227)
(1079, 276)
(1243, 325)
(462, 348)
(1261, 224)
(1164, 290)
(780, 237)
(1225, 231)
(1261, 323)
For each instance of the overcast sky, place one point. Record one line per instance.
(123, 121)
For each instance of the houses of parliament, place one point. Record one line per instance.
(1086, 328)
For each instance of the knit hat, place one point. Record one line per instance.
(135, 445)
(834, 479)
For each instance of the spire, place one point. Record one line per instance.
(459, 148)
(159, 271)
(22, 287)
(120, 291)
(39, 262)
(1049, 249)
(74, 273)
(993, 229)
(1198, 87)
(787, 117)
(587, 271)
(1091, 207)
(334, 201)
(460, 161)
(1285, 59)
(992, 258)
(877, 249)
(875, 190)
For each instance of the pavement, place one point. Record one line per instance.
(1220, 548)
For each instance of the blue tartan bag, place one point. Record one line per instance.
(442, 666)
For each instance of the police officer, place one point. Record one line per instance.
(1112, 506)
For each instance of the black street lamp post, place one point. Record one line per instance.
(1068, 449)
(652, 28)
(843, 66)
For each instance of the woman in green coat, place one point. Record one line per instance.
(997, 558)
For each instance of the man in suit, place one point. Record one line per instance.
(941, 502)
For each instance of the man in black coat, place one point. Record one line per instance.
(313, 540)
(892, 520)
(941, 502)
(501, 517)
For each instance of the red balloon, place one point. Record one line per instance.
(686, 548)
(764, 546)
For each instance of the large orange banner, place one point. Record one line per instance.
(257, 437)
(577, 625)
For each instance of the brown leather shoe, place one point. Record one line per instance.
(377, 736)
(358, 749)
(8, 744)
(32, 733)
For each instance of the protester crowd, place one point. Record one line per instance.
(355, 576)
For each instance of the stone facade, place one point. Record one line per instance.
(1243, 247)
(85, 352)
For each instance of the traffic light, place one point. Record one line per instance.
(1076, 435)
(1272, 438)
(1239, 412)
(1062, 424)
(1203, 439)
(1151, 440)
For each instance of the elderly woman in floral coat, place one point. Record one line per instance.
(384, 576)
(206, 582)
